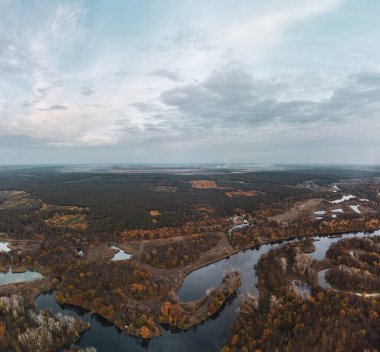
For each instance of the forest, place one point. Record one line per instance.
(65, 224)
(21, 329)
(120, 202)
(320, 320)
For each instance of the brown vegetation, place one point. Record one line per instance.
(203, 184)
(182, 238)
(299, 209)
(73, 221)
(207, 224)
(359, 272)
(181, 252)
(239, 193)
(186, 315)
(22, 330)
(320, 321)
(154, 213)
(16, 199)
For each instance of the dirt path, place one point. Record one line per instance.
(300, 208)
(32, 288)
(175, 276)
(141, 251)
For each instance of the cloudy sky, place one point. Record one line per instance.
(275, 81)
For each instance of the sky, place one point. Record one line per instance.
(164, 81)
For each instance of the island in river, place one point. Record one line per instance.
(156, 254)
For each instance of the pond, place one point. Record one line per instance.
(320, 212)
(207, 337)
(11, 277)
(355, 208)
(120, 255)
(343, 199)
(4, 247)
(322, 279)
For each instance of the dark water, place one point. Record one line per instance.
(206, 337)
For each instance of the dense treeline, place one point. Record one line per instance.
(285, 320)
(357, 264)
(21, 329)
(327, 321)
(184, 315)
(118, 202)
(123, 201)
(109, 290)
(88, 281)
(265, 230)
(70, 216)
(206, 224)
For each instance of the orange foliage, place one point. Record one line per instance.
(3, 329)
(144, 332)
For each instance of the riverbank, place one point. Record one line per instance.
(29, 289)
(176, 277)
(185, 315)
(209, 335)
(296, 304)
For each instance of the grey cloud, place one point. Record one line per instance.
(121, 73)
(367, 78)
(54, 107)
(233, 98)
(87, 90)
(143, 107)
(28, 103)
(44, 90)
(57, 83)
(50, 86)
(58, 107)
(166, 74)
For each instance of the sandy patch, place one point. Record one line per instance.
(239, 193)
(300, 208)
(203, 184)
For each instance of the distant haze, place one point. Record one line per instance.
(267, 82)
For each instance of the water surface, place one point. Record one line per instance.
(207, 337)
(120, 255)
(11, 278)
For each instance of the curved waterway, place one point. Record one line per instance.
(207, 337)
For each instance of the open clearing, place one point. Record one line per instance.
(239, 193)
(203, 184)
(300, 208)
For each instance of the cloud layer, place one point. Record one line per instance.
(190, 82)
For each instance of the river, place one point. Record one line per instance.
(206, 337)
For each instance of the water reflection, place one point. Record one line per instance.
(206, 337)
(120, 255)
(11, 277)
(322, 279)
